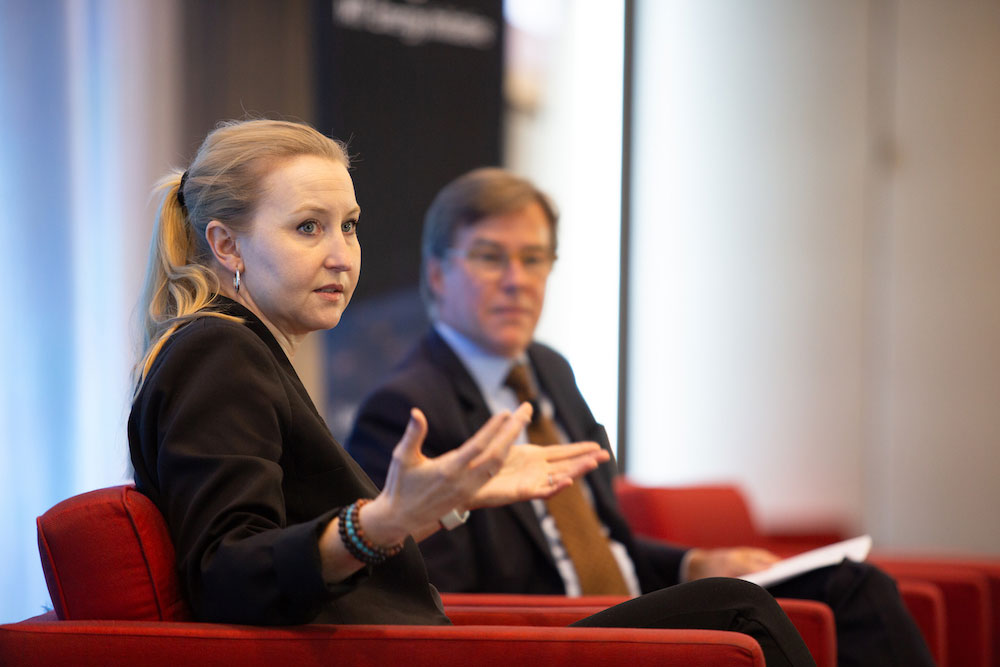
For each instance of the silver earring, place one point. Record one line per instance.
(236, 281)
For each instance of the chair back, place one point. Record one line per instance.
(107, 554)
(705, 516)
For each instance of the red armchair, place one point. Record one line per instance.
(956, 602)
(109, 566)
(709, 515)
(813, 620)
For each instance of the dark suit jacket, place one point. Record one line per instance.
(499, 550)
(227, 443)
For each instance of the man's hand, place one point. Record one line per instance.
(730, 562)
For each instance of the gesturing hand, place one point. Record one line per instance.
(533, 471)
(484, 471)
(419, 490)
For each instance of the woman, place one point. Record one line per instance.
(256, 246)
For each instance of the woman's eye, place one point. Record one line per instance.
(349, 226)
(309, 227)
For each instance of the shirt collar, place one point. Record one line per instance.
(487, 369)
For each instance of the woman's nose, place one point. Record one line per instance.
(340, 254)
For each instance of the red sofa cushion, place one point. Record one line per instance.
(130, 643)
(106, 554)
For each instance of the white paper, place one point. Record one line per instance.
(856, 548)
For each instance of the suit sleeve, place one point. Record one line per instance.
(212, 430)
(378, 426)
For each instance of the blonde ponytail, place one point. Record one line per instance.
(178, 287)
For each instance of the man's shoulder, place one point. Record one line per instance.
(422, 380)
(420, 364)
(413, 377)
(546, 359)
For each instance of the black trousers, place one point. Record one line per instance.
(713, 604)
(873, 625)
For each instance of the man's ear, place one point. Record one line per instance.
(435, 277)
(223, 243)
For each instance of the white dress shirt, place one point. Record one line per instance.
(489, 372)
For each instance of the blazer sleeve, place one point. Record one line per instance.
(211, 422)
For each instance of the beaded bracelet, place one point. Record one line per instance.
(353, 537)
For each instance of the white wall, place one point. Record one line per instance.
(748, 229)
(88, 119)
(565, 132)
(938, 447)
(815, 261)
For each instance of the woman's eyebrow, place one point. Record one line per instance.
(318, 208)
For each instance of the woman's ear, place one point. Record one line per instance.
(224, 245)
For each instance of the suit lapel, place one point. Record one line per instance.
(474, 408)
(476, 413)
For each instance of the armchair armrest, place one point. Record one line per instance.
(813, 620)
(970, 590)
(925, 602)
(168, 644)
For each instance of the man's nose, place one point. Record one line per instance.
(515, 273)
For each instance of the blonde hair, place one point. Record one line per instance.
(224, 183)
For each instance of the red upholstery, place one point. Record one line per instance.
(514, 600)
(548, 616)
(926, 603)
(718, 516)
(107, 554)
(911, 565)
(968, 615)
(109, 565)
(681, 512)
(813, 620)
(167, 644)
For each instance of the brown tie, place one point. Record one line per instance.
(579, 527)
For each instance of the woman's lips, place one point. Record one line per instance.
(331, 292)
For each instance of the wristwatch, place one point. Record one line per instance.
(454, 519)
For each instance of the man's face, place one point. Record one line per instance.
(491, 285)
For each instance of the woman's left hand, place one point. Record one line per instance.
(534, 471)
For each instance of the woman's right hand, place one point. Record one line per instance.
(420, 490)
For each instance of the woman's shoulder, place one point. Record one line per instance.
(211, 329)
(214, 342)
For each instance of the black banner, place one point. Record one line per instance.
(415, 88)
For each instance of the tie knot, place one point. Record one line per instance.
(519, 381)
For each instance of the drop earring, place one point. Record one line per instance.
(236, 281)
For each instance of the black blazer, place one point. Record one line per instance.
(499, 550)
(227, 443)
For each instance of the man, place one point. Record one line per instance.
(489, 244)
